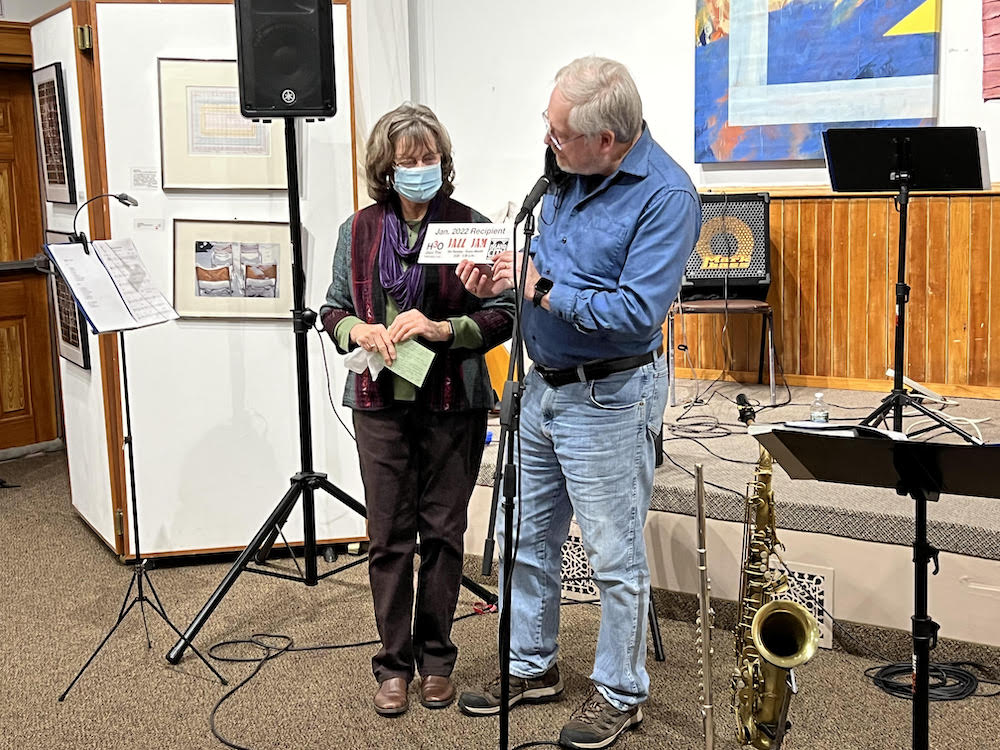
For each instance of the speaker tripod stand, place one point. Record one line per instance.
(304, 483)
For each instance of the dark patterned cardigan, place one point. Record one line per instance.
(458, 379)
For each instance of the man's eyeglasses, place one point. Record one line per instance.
(410, 162)
(555, 140)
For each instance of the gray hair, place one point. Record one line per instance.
(603, 96)
(411, 124)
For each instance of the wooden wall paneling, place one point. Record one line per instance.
(834, 266)
(993, 376)
(27, 409)
(706, 349)
(840, 325)
(959, 231)
(979, 291)
(806, 248)
(825, 294)
(878, 284)
(916, 277)
(8, 226)
(738, 344)
(686, 335)
(891, 272)
(15, 43)
(935, 301)
(857, 303)
(787, 316)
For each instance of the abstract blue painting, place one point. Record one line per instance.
(772, 75)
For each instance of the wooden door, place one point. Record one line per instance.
(27, 386)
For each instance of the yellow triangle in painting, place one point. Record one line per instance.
(925, 19)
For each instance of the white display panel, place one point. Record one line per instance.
(82, 395)
(214, 409)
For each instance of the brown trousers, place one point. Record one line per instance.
(419, 468)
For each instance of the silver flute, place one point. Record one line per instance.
(706, 618)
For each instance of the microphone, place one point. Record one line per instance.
(747, 413)
(532, 198)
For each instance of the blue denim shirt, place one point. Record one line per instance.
(615, 255)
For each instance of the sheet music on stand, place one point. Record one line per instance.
(111, 285)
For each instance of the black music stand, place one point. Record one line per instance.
(921, 470)
(900, 160)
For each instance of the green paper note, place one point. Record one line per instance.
(413, 361)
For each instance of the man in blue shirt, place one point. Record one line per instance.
(615, 233)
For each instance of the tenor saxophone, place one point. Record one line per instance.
(773, 635)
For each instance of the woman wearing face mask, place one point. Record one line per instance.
(419, 448)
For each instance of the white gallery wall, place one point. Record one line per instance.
(487, 70)
(82, 396)
(213, 402)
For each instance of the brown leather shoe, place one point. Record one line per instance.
(436, 691)
(391, 698)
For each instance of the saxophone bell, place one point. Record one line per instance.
(784, 633)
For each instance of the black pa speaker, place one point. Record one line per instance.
(732, 258)
(285, 58)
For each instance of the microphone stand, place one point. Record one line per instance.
(510, 414)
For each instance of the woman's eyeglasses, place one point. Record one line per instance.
(410, 162)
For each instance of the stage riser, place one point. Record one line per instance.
(872, 582)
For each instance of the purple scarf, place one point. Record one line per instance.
(404, 285)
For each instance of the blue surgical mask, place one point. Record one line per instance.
(418, 184)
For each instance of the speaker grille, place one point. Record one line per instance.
(285, 58)
(732, 248)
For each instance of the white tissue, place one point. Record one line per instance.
(360, 360)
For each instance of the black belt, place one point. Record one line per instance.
(595, 370)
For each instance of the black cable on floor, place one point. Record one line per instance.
(272, 645)
(949, 681)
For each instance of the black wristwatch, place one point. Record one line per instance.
(542, 287)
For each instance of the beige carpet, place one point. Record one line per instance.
(60, 590)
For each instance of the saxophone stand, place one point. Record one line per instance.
(905, 159)
(921, 470)
(140, 568)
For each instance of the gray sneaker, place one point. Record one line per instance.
(597, 724)
(541, 689)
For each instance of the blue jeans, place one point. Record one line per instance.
(587, 448)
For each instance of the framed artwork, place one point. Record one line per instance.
(71, 325)
(205, 143)
(232, 269)
(771, 76)
(55, 152)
